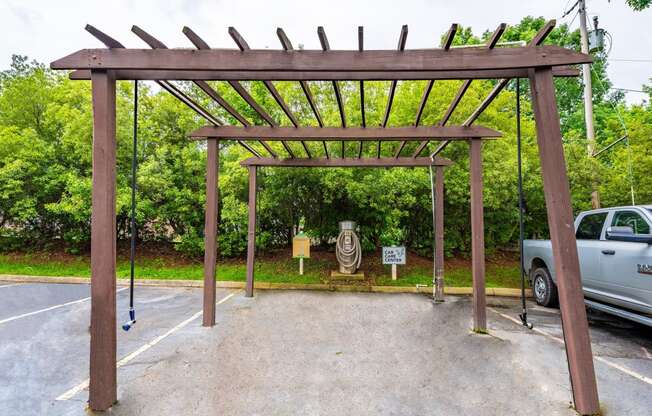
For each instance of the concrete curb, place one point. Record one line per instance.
(491, 291)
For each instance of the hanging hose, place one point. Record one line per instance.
(521, 235)
(349, 255)
(134, 163)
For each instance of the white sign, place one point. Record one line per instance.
(394, 255)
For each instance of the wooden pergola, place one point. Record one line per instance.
(536, 62)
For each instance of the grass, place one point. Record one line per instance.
(279, 269)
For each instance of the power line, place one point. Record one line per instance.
(629, 60)
(629, 90)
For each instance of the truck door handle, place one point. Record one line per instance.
(609, 252)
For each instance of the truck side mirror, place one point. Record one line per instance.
(626, 233)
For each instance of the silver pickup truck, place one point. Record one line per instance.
(615, 252)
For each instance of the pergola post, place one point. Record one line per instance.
(251, 233)
(564, 247)
(477, 238)
(102, 387)
(210, 231)
(439, 234)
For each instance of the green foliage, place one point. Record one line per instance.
(638, 5)
(45, 161)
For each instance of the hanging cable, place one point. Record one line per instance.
(630, 171)
(521, 234)
(132, 255)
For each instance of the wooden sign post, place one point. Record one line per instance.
(394, 255)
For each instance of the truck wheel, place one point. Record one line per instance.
(544, 289)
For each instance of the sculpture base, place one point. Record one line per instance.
(336, 275)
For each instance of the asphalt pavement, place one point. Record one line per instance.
(312, 353)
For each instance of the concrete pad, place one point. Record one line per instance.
(341, 354)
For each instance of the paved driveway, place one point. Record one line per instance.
(309, 353)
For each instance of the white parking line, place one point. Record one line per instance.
(611, 364)
(647, 353)
(124, 360)
(11, 284)
(13, 318)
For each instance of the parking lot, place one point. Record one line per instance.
(299, 352)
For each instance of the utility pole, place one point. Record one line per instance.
(588, 97)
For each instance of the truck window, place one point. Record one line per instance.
(631, 219)
(590, 227)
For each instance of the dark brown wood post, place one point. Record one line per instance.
(564, 247)
(477, 238)
(210, 231)
(102, 388)
(439, 233)
(251, 233)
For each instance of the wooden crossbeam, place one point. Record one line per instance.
(349, 162)
(341, 64)
(265, 76)
(346, 134)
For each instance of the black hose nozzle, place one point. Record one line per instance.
(132, 320)
(524, 321)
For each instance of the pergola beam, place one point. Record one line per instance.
(349, 162)
(249, 75)
(346, 134)
(341, 64)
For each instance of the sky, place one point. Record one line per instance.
(46, 30)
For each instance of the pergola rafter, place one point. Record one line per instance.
(446, 44)
(465, 86)
(402, 39)
(536, 62)
(111, 43)
(243, 45)
(362, 113)
(157, 44)
(287, 46)
(538, 39)
(336, 86)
